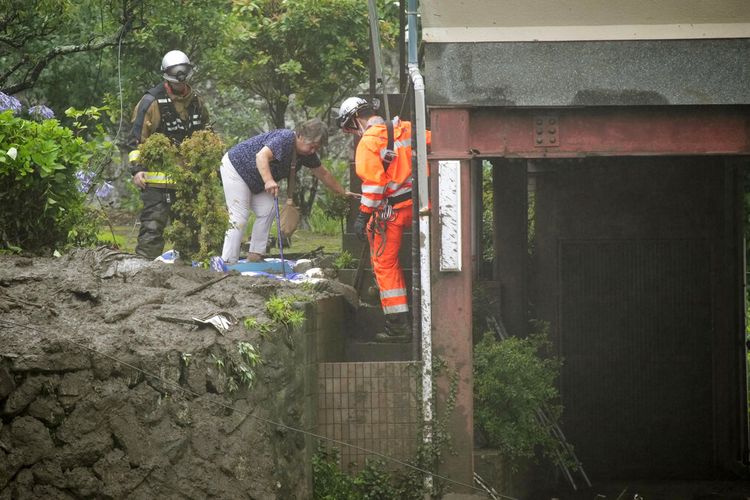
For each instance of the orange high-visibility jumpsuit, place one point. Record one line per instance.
(392, 186)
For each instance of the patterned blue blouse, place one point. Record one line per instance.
(281, 144)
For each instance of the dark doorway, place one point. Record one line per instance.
(636, 266)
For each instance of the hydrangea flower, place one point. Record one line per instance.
(8, 102)
(104, 190)
(84, 180)
(41, 112)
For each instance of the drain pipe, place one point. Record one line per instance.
(424, 227)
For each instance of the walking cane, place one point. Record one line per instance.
(278, 234)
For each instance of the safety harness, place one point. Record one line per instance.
(384, 213)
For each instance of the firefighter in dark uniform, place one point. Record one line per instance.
(174, 109)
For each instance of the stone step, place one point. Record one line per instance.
(380, 351)
(367, 321)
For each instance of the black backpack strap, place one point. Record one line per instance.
(135, 133)
(389, 154)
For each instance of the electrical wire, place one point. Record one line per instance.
(261, 419)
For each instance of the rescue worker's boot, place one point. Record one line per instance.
(397, 329)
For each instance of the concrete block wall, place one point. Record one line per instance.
(371, 405)
(324, 341)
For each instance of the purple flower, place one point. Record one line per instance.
(84, 180)
(104, 190)
(41, 112)
(8, 102)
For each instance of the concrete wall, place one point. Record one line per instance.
(545, 20)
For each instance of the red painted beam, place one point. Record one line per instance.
(575, 132)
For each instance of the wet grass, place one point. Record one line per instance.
(125, 236)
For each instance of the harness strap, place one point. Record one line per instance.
(400, 198)
(389, 155)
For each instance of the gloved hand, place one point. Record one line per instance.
(360, 225)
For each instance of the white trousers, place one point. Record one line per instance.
(240, 200)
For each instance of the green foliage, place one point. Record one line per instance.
(158, 153)
(281, 310)
(88, 122)
(264, 328)
(200, 216)
(37, 34)
(200, 207)
(239, 368)
(344, 260)
(317, 51)
(376, 481)
(334, 206)
(488, 231)
(322, 224)
(41, 206)
(330, 483)
(513, 380)
(244, 370)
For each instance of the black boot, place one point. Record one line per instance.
(397, 329)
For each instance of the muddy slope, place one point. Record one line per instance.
(81, 415)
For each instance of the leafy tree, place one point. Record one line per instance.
(34, 33)
(316, 51)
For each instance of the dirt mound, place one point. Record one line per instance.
(102, 399)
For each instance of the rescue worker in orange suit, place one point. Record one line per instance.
(171, 108)
(385, 209)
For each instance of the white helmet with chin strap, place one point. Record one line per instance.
(176, 67)
(349, 110)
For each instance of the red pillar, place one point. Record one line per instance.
(452, 299)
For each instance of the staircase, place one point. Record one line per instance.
(368, 319)
(370, 398)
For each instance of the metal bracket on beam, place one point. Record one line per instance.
(546, 131)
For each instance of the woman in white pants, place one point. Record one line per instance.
(250, 172)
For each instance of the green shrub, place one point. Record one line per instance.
(321, 223)
(514, 379)
(42, 206)
(281, 310)
(199, 212)
(344, 260)
(332, 205)
(330, 483)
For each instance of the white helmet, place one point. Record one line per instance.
(176, 67)
(348, 111)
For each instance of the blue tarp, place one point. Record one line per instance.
(271, 266)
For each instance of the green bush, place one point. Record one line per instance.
(199, 212)
(344, 260)
(330, 483)
(320, 223)
(42, 206)
(514, 379)
(333, 206)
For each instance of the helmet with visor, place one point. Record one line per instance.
(176, 67)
